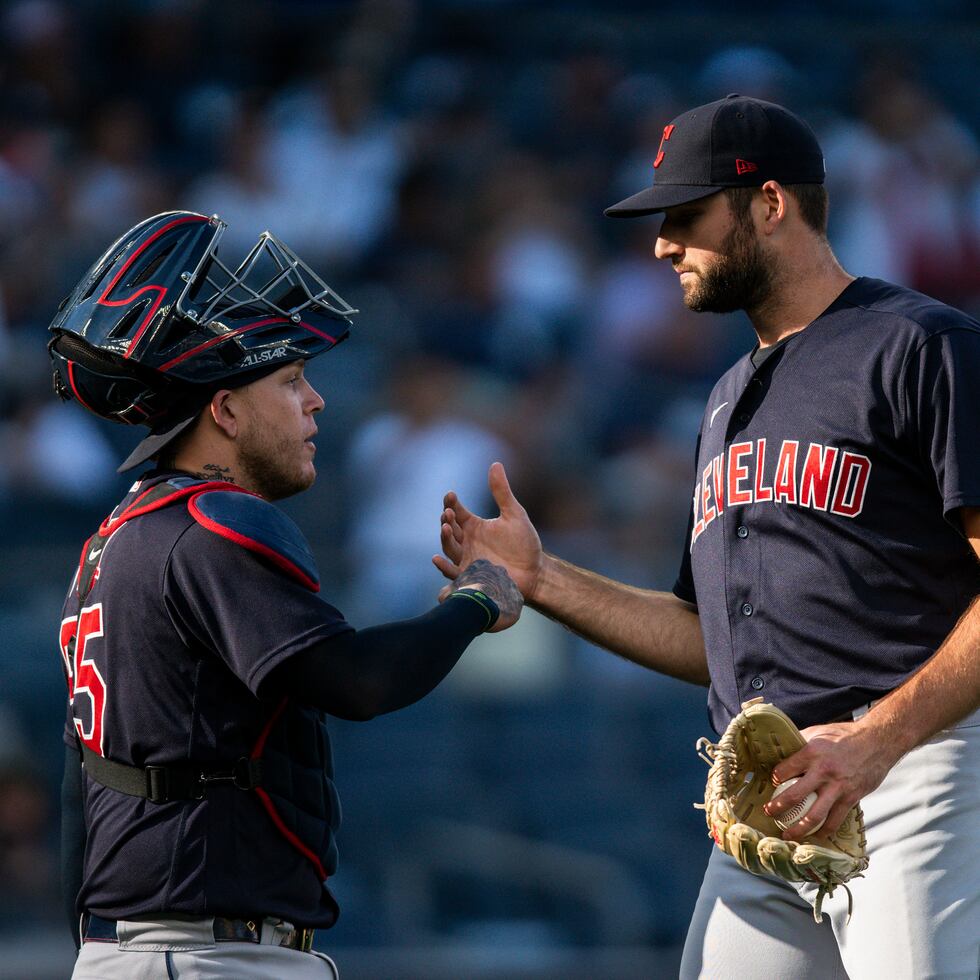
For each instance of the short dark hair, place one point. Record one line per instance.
(811, 198)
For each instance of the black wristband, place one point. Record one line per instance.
(481, 598)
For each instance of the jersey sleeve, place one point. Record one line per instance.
(684, 586)
(242, 606)
(944, 413)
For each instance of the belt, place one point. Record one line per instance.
(97, 929)
(856, 715)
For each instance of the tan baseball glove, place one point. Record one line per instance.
(739, 786)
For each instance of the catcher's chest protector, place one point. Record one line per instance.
(290, 768)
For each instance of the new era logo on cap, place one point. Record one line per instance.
(744, 166)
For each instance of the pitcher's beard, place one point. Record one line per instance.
(741, 278)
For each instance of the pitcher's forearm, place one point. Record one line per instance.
(653, 629)
(941, 693)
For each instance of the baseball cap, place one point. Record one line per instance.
(734, 142)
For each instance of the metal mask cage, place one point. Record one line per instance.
(271, 279)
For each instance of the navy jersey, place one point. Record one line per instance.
(824, 553)
(171, 648)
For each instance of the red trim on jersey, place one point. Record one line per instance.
(69, 627)
(264, 734)
(67, 631)
(245, 329)
(270, 807)
(161, 291)
(81, 563)
(294, 571)
(110, 525)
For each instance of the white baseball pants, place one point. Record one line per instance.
(916, 911)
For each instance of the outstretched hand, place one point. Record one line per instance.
(509, 540)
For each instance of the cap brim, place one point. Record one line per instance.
(652, 200)
(154, 442)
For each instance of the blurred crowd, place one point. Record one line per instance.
(444, 166)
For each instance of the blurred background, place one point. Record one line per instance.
(445, 165)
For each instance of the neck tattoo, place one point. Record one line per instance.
(211, 471)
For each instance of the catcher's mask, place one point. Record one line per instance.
(159, 323)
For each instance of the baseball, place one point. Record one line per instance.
(787, 819)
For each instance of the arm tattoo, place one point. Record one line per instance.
(495, 581)
(211, 471)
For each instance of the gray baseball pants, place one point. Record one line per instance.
(916, 911)
(174, 949)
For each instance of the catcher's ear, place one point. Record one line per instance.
(224, 412)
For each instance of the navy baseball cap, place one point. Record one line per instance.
(734, 142)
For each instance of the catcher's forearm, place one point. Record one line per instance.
(653, 629)
(943, 691)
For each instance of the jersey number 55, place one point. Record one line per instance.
(82, 674)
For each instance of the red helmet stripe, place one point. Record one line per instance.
(238, 330)
(74, 387)
(160, 290)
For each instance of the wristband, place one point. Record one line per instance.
(482, 599)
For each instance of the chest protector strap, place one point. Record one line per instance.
(165, 784)
(290, 768)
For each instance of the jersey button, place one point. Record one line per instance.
(744, 417)
(747, 609)
(743, 531)
(757, 683)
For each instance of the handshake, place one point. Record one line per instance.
(500, 556)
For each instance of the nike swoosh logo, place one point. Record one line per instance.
(715, 412)
(94, 553)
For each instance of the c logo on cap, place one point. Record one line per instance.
(663, 139)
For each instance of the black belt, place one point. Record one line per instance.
(99, 930)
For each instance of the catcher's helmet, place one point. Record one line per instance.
(160, 323)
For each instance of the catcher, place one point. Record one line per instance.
(200, 813)
(830, 566)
